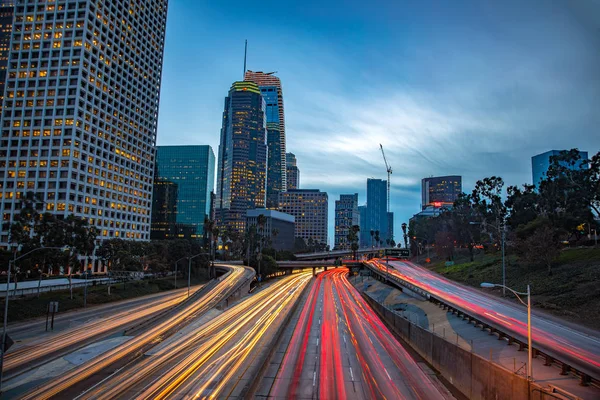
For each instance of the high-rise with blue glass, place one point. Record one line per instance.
(183, 183)
(541, 163)
(376, 218)
(242, 165)
(271, 91)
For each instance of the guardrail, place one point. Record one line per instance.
(53, 288)
(585, 375)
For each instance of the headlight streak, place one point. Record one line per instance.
(97, 364)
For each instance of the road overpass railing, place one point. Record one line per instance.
(586, 375)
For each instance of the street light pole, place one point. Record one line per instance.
(11, 264)
(529, 336)
(176, 262)
(503, 263)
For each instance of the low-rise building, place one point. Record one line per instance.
(278, 228)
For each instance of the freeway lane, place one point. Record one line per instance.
(218, 290)
(210, 360)
(90, 326)
(575, 348)
(341, 350)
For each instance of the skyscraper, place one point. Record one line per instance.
(364, 234)
(242, 167)
(541, 163)
(7, 14)
(80, 111)
(374, 216)
(270, 89)
(346, 215)
(191, 169)
(310, 210)
(440, 191)
(293, 173)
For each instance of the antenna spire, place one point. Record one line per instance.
(245, 55)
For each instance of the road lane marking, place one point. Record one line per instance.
(388, 375)
(317, 342)
(351, 374)
(314, 378)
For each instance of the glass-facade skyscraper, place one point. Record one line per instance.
(376, 217)
(80, 111)
(242, 165)
(184, 180)
(272, 93)
(7, 14)
(541, 163)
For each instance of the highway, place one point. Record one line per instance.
(340, 349)
(209, 361)
(206, 299)
(576, 348)
(86, 326)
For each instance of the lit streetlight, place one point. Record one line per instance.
(528, 305)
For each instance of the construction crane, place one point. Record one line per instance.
(389, 173)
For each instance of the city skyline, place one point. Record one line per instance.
(355, 79)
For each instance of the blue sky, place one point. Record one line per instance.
(473, 88)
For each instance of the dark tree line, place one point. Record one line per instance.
(534, 223)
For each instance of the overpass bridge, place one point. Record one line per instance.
(290, 266)
(368, 252)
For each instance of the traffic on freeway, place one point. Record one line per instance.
(151, 336)
(340, 349)
(578, 349)
(209, 361)
(43, 348)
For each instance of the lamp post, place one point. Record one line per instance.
(421, 239)
(182, 258)
(190, 271)
(528, 305)
(5, 324)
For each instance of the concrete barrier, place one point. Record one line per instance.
(471, 374)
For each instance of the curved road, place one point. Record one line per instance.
(576, 348)
(340, 349)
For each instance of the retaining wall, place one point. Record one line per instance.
(473, 375)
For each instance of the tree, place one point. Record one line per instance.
(300, 245)
(377, 238)
(405, 235)
(353, 239)
(486, 198)
(538, 243)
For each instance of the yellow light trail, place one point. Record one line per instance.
(97, 364)
(237, 331)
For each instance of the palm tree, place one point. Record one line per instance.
(274, 234)
(377, 238)
(261, 220)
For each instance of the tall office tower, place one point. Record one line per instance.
(192, 170)
(80, 111)
(164, 209)
(242, 168)
(541, 163)
(310, 209)
(7, 14)
(364, 234)
(274, 177)
(377, 219)
(346, 215)
(293, 173)
(440, 191)
(270, 89)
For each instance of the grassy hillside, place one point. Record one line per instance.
(571, 292)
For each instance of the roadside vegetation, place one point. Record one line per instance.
(547, 232)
